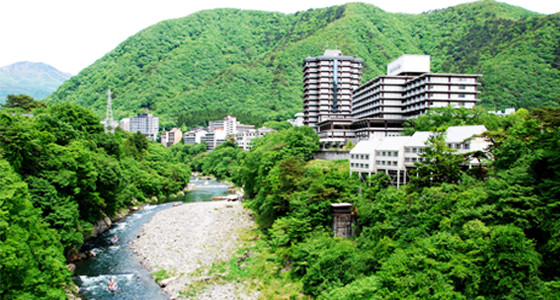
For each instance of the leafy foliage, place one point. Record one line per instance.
(23, 102)
(31, 253)
(248, 63)
(61, 173)
(448, 235)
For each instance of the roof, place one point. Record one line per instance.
(393, 143)
(418, 139)
(458, 134)
(366, 146)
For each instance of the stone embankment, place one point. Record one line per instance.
(184, 238)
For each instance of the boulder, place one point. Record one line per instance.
(71, 267)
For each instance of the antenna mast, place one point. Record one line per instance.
(109, 123)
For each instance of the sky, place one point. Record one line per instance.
(72, 34)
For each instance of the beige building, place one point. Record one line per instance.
(171, 137)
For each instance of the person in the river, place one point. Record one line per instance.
(114, 239)
(113, 286)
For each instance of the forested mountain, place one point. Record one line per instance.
(35, 79)
(248, 63)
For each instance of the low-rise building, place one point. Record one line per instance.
(244, 138)
(396, 155)
(195, 135)
(501, 113)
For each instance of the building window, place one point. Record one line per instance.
(461, 95)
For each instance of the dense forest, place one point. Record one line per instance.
(248, 63)
(60, 173)
(491, 232)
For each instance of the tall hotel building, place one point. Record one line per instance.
(381, 105)
(328, 83)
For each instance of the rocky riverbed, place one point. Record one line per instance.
(184, 238)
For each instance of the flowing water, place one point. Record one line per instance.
(118, 260)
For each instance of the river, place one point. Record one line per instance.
(118, 260)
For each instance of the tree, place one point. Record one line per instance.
(439, 164)
(22, 101)
(31, 261)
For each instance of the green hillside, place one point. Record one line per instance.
(248, 63)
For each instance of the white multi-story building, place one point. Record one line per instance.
(395, 156)
(230, 125)
(297, 121)
(125, 124)
(244, 138)
(195, 135)
(381, 105)
(409, 90)
(328, 82)
(147, 124)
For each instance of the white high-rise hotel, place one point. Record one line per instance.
(409, 89)
(328, 82)
(380, 106)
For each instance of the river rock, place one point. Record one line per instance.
(182, 239)
(71, 267)
(101, 226)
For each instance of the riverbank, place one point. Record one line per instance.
(178, 241)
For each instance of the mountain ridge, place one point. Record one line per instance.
(248, 63)
(35, 79)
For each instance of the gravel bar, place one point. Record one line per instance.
(184, 238)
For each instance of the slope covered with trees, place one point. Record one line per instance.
(248, 63)
(60, 174)
(486, 233)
